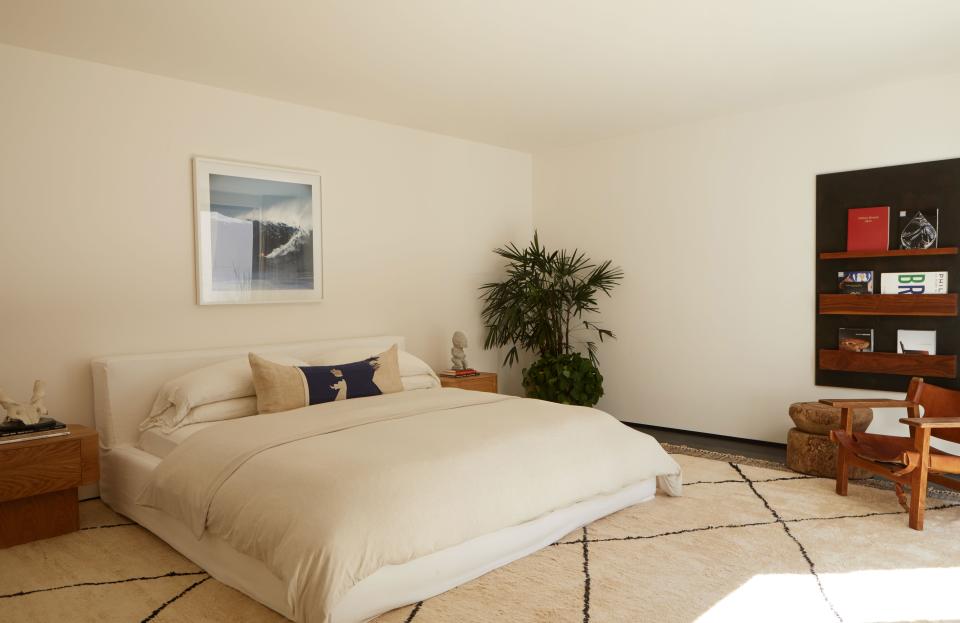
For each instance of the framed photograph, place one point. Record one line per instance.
(259, 233)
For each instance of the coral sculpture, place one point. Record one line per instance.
(28, 413)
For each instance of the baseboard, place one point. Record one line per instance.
(757, 442)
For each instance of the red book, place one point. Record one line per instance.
(868, 229)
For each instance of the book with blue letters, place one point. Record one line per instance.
(914, 283)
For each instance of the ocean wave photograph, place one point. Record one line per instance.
(261, 234)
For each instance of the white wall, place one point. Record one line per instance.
(97, 238)
(713, 223)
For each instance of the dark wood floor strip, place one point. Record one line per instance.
(153, 614)
(786, 528)
(414, 612)
(171, 574)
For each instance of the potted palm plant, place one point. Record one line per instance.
(540, 307)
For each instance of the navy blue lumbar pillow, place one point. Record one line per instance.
(348, 380)
(282, 387)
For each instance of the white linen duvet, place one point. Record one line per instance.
(328, 494)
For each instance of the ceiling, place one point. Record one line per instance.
(526, 74)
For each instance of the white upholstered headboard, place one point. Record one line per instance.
(125, 386)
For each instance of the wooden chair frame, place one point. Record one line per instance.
(916, 472)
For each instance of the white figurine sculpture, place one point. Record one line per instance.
(457, 355)
(27, 413)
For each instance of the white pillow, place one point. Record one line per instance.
(211, 384)
(419, 381)
(210, 412)
(414, 372)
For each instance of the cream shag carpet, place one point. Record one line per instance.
(744, 543)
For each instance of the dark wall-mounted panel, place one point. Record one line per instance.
(921, 186)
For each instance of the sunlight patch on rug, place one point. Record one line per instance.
(896, 594)
(785, 598)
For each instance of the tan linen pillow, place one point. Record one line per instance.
(281, 388)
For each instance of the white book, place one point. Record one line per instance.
(57, 432)
(914, 283)
(916, 342)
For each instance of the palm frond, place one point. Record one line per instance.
(540, 304)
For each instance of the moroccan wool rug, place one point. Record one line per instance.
(744, 543)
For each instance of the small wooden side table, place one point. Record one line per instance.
(483, 382)
(38, 484)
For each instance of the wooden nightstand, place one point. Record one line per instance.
(38, 484)
(483, 382)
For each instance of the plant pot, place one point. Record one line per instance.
(567, 379)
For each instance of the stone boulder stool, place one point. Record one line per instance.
(809, 449)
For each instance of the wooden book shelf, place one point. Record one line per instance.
(936, 366)
(944, 305)
(842, 255)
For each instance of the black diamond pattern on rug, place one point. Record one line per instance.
(739, 529)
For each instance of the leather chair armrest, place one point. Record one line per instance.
(878, 403)
(931, 422)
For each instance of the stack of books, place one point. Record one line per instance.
(459, 373)
(868, 229)
(13, 431)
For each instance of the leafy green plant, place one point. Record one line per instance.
(569, 379)
(540, 306)
(546, 303)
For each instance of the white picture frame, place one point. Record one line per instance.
(259, 233)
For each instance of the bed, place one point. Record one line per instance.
(160, 479)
